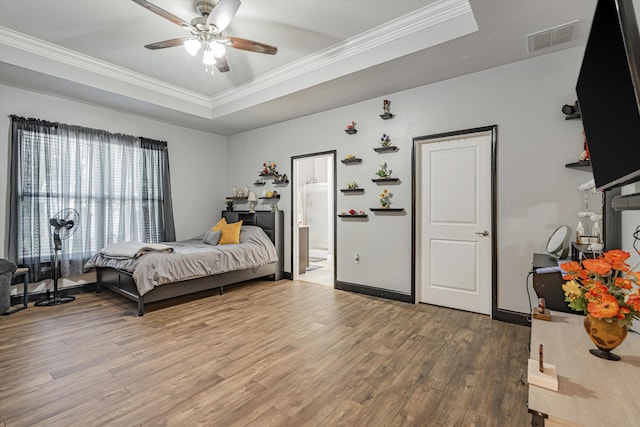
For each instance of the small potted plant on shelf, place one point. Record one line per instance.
(268, 168)
(385, 140)
(352, 185)
(351, 129)
(383, 172)
(230, 204)
(385, 198)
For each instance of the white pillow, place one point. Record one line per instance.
(212, 237)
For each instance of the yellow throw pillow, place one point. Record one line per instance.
(230, 233)
(219, 225)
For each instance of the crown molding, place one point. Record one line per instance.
(44, 49)
(401, 36)
(427, 17)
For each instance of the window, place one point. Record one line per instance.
(119, 185)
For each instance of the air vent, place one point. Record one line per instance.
(551, 37)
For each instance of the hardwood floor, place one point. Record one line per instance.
(268, 353)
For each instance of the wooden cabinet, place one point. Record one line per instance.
(548, 285)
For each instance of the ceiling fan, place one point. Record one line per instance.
(206, 32)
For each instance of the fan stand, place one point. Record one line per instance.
(57, 299)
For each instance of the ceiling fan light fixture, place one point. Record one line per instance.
(208, 58)
(217, 49)
(192, 46)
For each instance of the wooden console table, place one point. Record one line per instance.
(591, 391)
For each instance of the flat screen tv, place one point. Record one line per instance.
(608, 90)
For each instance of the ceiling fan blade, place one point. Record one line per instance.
(166, 15)
(250, 45)
(222, 65)
(222, 13)
(167, 43)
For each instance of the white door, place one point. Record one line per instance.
(453, 211)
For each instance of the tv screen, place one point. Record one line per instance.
(608, 92)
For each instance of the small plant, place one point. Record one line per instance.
(349, 157)
(230, 203)
(383, 172)
(385, 198)
(351, 126)
(352, 185)
(385, 140)
(268, 168)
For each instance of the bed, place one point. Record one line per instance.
(181, 268)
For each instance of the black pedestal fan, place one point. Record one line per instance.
(63, 225)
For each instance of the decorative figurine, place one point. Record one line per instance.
(385, 107)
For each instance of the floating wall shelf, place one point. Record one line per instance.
(351, 161)
(584, 165)
(351, 131)
(237, 198)
(385, 179)
(351, 216)
(352, 190)
(387, 116)
(387, 209)
(388, 149)
(269, 198)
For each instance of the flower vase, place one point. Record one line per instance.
(606, 336)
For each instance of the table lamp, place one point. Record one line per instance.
(252, 199)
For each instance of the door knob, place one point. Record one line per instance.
(484, 233)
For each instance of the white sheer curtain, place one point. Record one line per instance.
(106, 177)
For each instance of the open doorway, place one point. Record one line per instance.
(313, 217)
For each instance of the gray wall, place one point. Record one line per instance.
(536, 193)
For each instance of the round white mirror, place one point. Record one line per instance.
(558, 243)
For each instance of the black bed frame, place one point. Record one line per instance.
(122, 282)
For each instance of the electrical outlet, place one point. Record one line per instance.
(357, 258)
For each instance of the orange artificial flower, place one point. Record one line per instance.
(634, 302)
(596, 291)
(606, 307)
(570, 266)
(605, 287)
(597, 266)
(574, 271)
(617, 259)
(622, 283)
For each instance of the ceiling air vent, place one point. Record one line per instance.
(551, 37)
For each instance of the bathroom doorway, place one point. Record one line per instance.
(313, 217)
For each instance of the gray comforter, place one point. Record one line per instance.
(191, 259)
